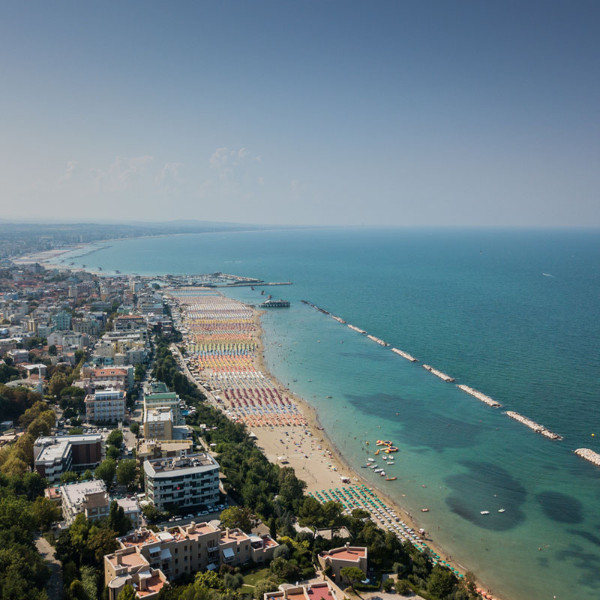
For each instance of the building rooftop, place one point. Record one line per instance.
(233, 535)
(156, 416)
(129, 559)
(179, 465)
(141, 537)
(78, 493)
(348, 553)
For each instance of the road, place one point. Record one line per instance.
(54, 586)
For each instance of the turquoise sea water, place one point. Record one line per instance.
(511, 313)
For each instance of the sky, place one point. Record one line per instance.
(307, 112)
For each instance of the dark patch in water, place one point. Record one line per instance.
(422, 427)
(560, 507)
(543, 562)
(586, 535)
(586, 562)
(486, 487)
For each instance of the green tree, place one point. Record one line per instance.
(45, 512)
(69, 477)
(264, 586)
(115, 438)
(152, 514)
(127, 593)
(126, 472)
(58, 382)
(102, 541)
(52, 350)
(117, 519)
(285, 569)
(134, 428)
(113, 453)
(237, 516)
(352, 575)
(106, 471)
(441, 582)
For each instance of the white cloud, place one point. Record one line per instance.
(69, 171)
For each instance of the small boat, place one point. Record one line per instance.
(371, 459)
(424, 510)
(501, 509)
(484, 512)
(378, 470)
(391, 479)
(382, 473)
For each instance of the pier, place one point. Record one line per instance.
(439, 374)
(377, 340)
(357, 329)
(590, 455)
(489, 401)
(405, 355)
(535, 426)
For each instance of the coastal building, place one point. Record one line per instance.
(184, 550)
(54, 455)
(346, 556)
(165, 399)
(322, 590)
(149, 449)
(105, 406)
(158, 424)
(188, 481)
(89, 498)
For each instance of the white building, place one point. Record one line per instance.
(191, 481)
(171, 400)
(89, 498)
(105, 406)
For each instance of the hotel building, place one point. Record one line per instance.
(187, 481)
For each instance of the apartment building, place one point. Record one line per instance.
(105, 406)
(89, 498)
(158, 424)
(54, 455)
(346, 556)
(171, 400)
(188, 481)
(179, 550)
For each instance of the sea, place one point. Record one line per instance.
(512, 313)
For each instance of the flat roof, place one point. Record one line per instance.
(76, 493)
(347, 553)
(192, 463)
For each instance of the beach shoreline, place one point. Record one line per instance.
(310, 451)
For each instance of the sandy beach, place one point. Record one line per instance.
(306, 447)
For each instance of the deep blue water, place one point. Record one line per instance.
(511, 313)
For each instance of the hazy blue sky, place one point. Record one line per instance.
(307, 112)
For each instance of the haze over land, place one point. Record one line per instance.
(341, 113)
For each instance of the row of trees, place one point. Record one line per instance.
(23, 511)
